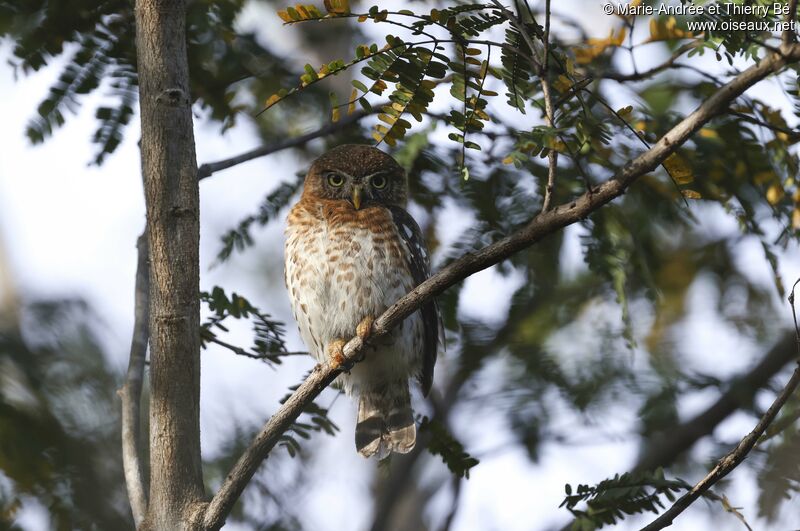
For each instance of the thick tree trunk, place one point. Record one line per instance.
(172, 197)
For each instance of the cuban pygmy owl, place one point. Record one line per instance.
(352, 250)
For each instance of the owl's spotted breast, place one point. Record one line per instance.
(343, 265)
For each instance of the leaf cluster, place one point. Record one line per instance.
(315, 420)
(443, 444)
(611, 500)
(268, 342)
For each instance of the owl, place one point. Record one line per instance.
(351, 251)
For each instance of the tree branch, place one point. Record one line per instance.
(209, 168)
(729, 462)
(737, 455)
(131, 390)
(664, 448)
(542, 225)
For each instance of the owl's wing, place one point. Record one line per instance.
(420, 265)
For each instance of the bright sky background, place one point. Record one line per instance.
(70, 229)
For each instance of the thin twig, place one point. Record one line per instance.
(639, 76)
(451, 514)
(542, 225)
(131, 390)
(736, 456)
(209, 168)
(239, 351)
(544, 74)
(792, 134)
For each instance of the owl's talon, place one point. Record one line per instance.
(336, 353)
(364, 328)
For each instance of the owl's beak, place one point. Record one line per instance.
(357, 197)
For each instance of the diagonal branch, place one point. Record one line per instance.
(131, 390)
(542, 225)
(730, 461)
(735, 457)
(667, 445)
(663, 449)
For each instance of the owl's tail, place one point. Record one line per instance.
(385, 421)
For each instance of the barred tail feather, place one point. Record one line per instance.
(385, 421)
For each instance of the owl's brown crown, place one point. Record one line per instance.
(357, 174)
(356, 160)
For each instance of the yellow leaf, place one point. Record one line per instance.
(337, 7)
(335, 114)
(570, 66)
(272, 100)
(796, 196)
(775, 194)
(378, 87)
(667, 29)
(595, 47)
(508, 160)
(679, 169)
(625, 111)
(763, 177)
(691, 194)
(796, 219)
(351, 106)
(562, 83)
(284, 16)
(473, 51)
(363, 18)
(708, 133)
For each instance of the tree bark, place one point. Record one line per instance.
(172, 197)
(131, 391)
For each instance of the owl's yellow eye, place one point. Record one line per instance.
(378, 182)
(335, 180)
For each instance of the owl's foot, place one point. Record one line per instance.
(336, 352)
(364, 328)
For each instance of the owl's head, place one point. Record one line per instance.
(361, 175)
